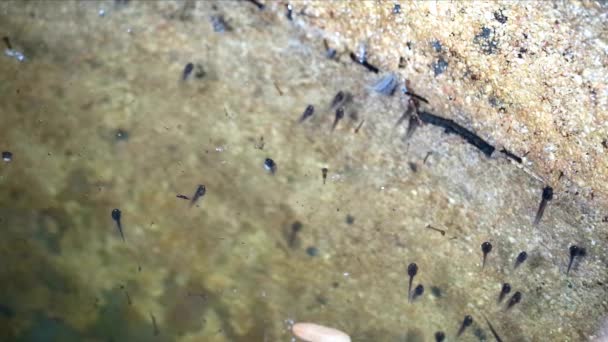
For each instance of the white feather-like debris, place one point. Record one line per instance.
(311, 332)
(386, 85)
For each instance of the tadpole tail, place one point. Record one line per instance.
(409, 290)
(570, 265)
(120, 231)
(540, 212)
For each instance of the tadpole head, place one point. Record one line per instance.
(116, 213)
(296, 226)
(486, 247)
(547, 193)
(412, 269)
(439, 336)
(521, 257)
(468, 320)
(270, 165)
(506, 288)
(574, 251)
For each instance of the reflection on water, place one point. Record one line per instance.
(298, 221)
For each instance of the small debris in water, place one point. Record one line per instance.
(401, 64)
(15, 54)
(468, 320)
(102, 12)
(510, 155)
(270, 165)
(440, 66)
(122, 287)
(500, 17)
(312, 251)
(329, 52)
(359, 126)
(436, 45)
(545, 198)
(386, 85)
(396, 8)
(260, 144)
(350, 219)
(428, 226)
(436, 291)
(289, 12)
(121, 135)
(182, 196)
(219, 23)
(7, 156)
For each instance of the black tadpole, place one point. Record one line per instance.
(412, 269)
(187, 71)
(506, 288)
(516, 298)
(486, 248)
(574, 252)
(308, 112)
(324, 173)
(521, 257)
(339, 116)
(418, 291)
(270, 166)
(198, 193)
(468, 320)
(296, 227)
(439, 336)
(340, 96)
(116, 215)
(546, 197)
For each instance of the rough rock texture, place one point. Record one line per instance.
(530, 77)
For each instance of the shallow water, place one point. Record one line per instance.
(97, 117)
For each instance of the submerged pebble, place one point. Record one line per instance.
(317, 333)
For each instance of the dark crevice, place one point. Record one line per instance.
(452, 127)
